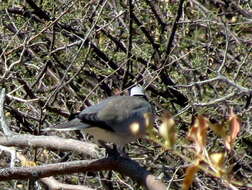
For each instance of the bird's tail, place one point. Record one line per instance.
(72, 125)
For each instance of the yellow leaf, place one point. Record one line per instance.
(219, 129)
(29, 163)
(233, 19)
(25, 162)
(7, 114)
(167, 130)
(218, 159)
(151, 130)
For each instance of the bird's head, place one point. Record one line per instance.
(137, 91)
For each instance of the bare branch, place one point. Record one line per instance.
(122, 165)
(172, 34)
(51, 142)
(3, 124)
(216, 101)
(56, 185)
(218, 78)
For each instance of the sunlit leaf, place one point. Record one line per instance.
(149, 122)
(217, 160)
(220, 129)
(25, 162)
(167, 130)
(7, 114)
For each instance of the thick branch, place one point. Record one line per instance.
(38, 11)
(50, 142)
(172, 34)
(56, 185)
(122, 165)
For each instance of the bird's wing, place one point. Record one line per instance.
(95, 108)
(85, 119)
(74, 124)
(115, 112)
(93, 121)
(92, 115)
(122, 107)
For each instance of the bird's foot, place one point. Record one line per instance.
(114, 151)
(121, 151)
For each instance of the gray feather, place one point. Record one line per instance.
(74, 124)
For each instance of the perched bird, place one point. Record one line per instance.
(117, 119)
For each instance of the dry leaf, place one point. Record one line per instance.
(190, 175)
(198, 133)
(235, 126)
